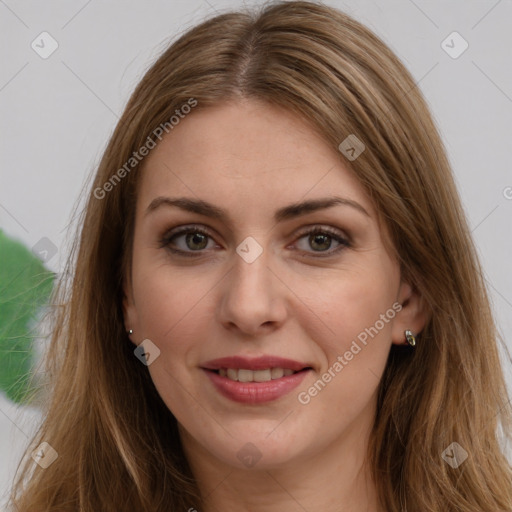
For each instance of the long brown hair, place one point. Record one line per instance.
(117, 443)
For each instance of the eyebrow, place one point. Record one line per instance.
(286, 213)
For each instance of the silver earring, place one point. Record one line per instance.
(410, 338)
(130, 332)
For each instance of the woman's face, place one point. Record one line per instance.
(253, 242)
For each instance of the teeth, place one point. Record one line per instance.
(243, 375)
(277, 373)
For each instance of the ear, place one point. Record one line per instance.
(412, 316)
(130, 316)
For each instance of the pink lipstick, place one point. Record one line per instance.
(255, 380)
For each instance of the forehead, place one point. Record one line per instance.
(249, 156)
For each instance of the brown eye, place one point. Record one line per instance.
(196, 241)
(187, 241)
(321, 240)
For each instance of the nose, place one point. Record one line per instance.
(253, 300)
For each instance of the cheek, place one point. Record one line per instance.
(356, 309)
(167, 299)
(353, 358)
(362, 307)
(174, 311)
(352, 303)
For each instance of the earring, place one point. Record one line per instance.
(410, 338)
(130, 332)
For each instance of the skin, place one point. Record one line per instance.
(251, 159)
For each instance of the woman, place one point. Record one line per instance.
(276, 303)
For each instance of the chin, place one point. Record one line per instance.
(259, 449)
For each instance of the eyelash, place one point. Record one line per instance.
(166, 240)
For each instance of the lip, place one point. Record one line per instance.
(255, 392)
(254, 363)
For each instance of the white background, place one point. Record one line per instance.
(57, 115)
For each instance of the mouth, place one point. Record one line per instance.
(264, 375)
(255, 380)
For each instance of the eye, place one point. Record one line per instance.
(187, 240)
(194, 240)
(320, 240)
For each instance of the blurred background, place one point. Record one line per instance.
(68, 70)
